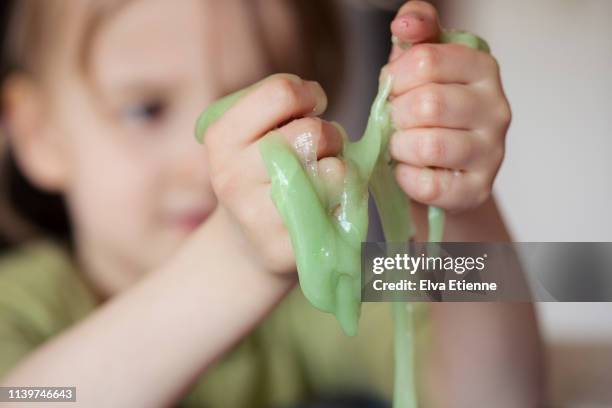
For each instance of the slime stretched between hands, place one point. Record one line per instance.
(327, 222)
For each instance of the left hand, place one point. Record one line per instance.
(450, 112)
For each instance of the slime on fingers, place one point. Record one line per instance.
(327, 218)
(327, 223)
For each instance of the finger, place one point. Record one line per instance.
(257, 210)
(264, 226)
(307, 136)
(275, 100)
(440, 63)
(332, 171)
(416, 22)
(449, 190)
(435, 147)
(319, 136)
(435, 105)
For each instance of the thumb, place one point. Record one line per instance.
(415, 22)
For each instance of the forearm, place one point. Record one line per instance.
(483, 354)
(146, 346)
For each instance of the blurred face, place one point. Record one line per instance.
(138, 182)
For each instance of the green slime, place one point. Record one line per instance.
(328, 222)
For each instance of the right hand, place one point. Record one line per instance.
(238, 174)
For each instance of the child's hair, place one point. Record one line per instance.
(31, 25)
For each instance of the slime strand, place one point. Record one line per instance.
(327, 221)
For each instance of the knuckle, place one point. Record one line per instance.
(485, 193)
(491, 63)
(426, 58)
(431, 103)
(285, 90)
(504, 114)
(485, 189)
(493, 151)
(498, 156)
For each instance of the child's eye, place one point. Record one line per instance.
(145, 112)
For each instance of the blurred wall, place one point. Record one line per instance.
(556, 181)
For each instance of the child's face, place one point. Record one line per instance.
(138, 182)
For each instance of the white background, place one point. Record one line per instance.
(556, 182)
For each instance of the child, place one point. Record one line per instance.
(181, 284)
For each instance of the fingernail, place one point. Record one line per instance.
(409, 19)
(320, 98)
(408, 22)
(407, 26)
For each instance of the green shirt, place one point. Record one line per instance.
(297, 353)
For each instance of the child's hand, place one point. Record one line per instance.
(450, 113)
(238, 173)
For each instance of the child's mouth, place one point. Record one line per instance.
(190, 220)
